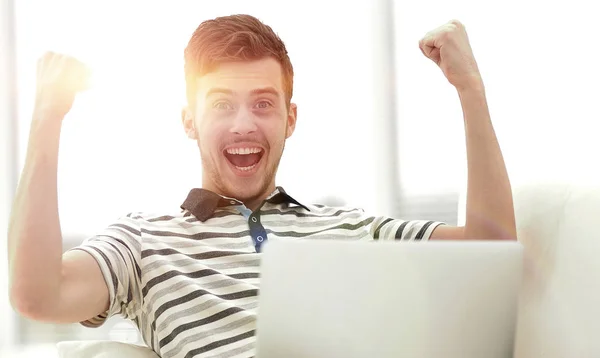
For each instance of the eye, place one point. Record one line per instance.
(222, 106)
(263, 105)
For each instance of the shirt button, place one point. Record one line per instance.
(232, 202)
(254, 220)
(259, 239)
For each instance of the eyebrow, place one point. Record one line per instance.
(217, 90)
(265, 90)
(254, 92)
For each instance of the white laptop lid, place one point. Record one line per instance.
(326, 298)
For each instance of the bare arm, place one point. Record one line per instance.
(490, 212)
(44, 285)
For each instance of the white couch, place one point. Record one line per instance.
(559, 310)
(559, 313)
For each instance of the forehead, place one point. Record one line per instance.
(243, 76)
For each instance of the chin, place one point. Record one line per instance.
(244, 191)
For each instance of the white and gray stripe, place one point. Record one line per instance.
(190, 281)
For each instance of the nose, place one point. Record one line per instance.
(243, 123)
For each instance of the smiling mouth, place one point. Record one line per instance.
(244, 159)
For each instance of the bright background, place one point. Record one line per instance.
(379, 126)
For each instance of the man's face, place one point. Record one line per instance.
(241, 122)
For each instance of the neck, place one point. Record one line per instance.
(254, 204)
(251, 203)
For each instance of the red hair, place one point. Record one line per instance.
(233, 38)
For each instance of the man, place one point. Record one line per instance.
(189, 279)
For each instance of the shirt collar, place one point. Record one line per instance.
(202, 203)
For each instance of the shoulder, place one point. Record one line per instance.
(134, 223)
(332, 211)
(144, 218)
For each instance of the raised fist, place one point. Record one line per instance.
(448, 46)
(59, 79)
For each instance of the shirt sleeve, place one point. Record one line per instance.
(384, 228)
(117, 250)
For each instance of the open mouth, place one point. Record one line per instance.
(244, 159)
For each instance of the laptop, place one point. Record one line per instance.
(328, 298)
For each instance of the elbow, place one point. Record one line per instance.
(32, 306)
(490, 231)
(25, 306)
(492, 235)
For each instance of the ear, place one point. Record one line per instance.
(187, 119)
(291, 120)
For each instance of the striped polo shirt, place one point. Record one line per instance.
(189, 280)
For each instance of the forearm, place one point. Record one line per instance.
(34, 235)
(490, 211)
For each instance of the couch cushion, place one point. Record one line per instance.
(558, 225)
(559, 315)
(102, 349)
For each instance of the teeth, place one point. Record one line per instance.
(243, 151)
(245, 169)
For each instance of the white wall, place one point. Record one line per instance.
(7, 167)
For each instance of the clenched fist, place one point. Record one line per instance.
(448, 46)
(59, 79)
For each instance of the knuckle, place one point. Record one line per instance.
(47, 56)
(445, 35)
(456, 23)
